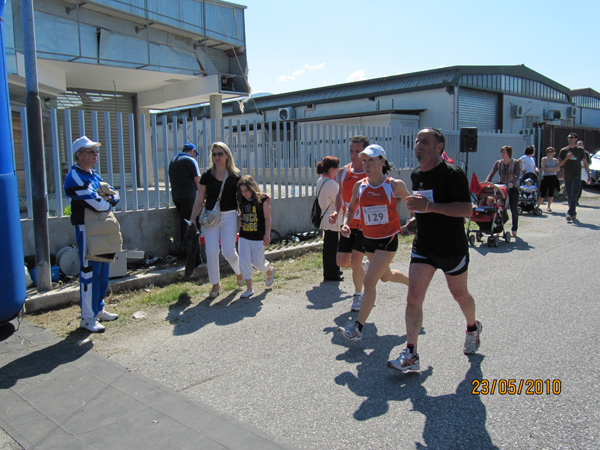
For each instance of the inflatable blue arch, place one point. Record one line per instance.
(12, 274)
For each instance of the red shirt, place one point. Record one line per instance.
(379, 218)
(349, 179)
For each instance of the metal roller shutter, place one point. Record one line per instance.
(101, 102)
(477, 109)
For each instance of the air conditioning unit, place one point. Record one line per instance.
(572, 112)
(286, 113)
(517, 111)
(552, 114)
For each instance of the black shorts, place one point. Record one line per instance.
(352, 242)
(388, 244)
(450, 265)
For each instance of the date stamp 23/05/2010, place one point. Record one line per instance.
(510, 386)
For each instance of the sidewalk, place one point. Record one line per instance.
(57, 394)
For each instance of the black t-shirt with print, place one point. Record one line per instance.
(572, 168)
(253, 220)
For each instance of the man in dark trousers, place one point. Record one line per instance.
(571, 158)
(184, 176)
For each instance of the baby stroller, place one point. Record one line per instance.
(489, 214)
(528, 194)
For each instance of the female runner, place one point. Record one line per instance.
(376, 195)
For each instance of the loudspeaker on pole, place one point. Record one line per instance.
(468, 139)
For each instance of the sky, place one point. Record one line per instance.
(304, 44)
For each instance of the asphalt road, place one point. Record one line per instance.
(274, 360)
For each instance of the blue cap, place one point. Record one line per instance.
(189, 146)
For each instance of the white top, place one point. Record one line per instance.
(528, 163)
(327, 189)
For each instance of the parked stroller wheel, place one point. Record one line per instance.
(519, 210)
(472, 240)
(479, 236)
(537, 211)
(507, 237)
(490, 241)
(496, 241)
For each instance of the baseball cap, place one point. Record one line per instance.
(189, 146)
(84, 142)
(373, 150)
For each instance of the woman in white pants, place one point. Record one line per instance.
(225, 233)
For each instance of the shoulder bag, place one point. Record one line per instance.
(211, 217)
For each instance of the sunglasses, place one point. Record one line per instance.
(572, 137)
(218, 154)
(92, 151)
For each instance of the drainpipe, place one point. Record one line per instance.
(12, 268)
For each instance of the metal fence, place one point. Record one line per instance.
(281, 155)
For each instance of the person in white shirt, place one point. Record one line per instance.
(528, 161)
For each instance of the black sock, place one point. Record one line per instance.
(412, 348)
(359, 326)
(471, 328)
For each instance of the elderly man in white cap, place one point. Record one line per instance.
(82, 186)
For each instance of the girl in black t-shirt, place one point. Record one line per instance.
(254, 220)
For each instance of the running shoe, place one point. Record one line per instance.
(472, 340)
(106, 316)
(406, 361)
(91, 325)
(350, 332)
(247, 294)
(356, 301)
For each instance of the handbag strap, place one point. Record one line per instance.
(319, 191)
(222, 187)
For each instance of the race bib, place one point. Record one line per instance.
(428, 194)
(375, 215)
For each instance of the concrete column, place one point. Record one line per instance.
(216, 112)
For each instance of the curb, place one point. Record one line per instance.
(65, 296)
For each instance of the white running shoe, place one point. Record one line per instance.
(106, 316)
(350, 332)
(473, 340)
(247, 294)
(356, 301)
(406, 361)
(91, 325)
(366, 265)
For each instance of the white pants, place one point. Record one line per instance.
(227, 232)
(252, 253)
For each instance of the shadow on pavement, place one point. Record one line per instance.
(325, 295)
(451, 421)
(224, 311)
(45, 360)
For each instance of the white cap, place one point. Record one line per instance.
(84, 142)
(373, 151)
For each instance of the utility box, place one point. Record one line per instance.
(118, 268)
